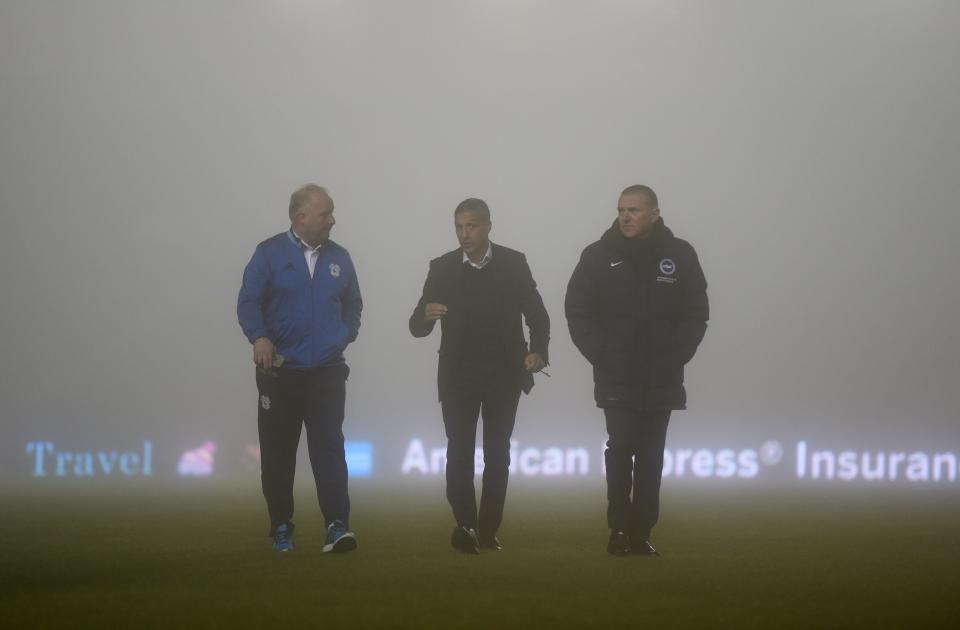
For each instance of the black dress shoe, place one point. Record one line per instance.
(491, 543)
(642, 548)
(465, 539)
(619, 544)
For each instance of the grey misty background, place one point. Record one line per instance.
(809, 151)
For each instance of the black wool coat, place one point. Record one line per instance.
(517, 297)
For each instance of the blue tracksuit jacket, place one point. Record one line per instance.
(309, 320)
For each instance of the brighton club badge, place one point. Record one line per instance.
(667, 269)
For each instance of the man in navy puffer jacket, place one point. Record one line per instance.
(300, 306)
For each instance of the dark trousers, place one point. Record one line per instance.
(634, 459)
(479, 390)
(288, 401)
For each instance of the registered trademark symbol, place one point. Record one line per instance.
(771, 452)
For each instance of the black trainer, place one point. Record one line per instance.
(642, 548)
(465, 539)
(619, 544)
(490, 543)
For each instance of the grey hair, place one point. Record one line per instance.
(302, 197)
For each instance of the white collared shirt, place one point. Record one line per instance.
(483, 261)
(311, 254)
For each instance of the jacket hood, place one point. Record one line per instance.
(615, 240)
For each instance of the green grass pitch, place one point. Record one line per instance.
(197, 556)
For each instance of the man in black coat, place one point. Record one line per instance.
(637, 309)
(479, 293)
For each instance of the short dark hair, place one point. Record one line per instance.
(640, 189)
(478, 206)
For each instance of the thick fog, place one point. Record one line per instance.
(808, 150)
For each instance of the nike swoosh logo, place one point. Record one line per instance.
(616, 263)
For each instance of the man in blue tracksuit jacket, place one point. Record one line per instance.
(300, 306)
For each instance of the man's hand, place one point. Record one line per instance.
(434, 311)
(263, 353)
(533, 362)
